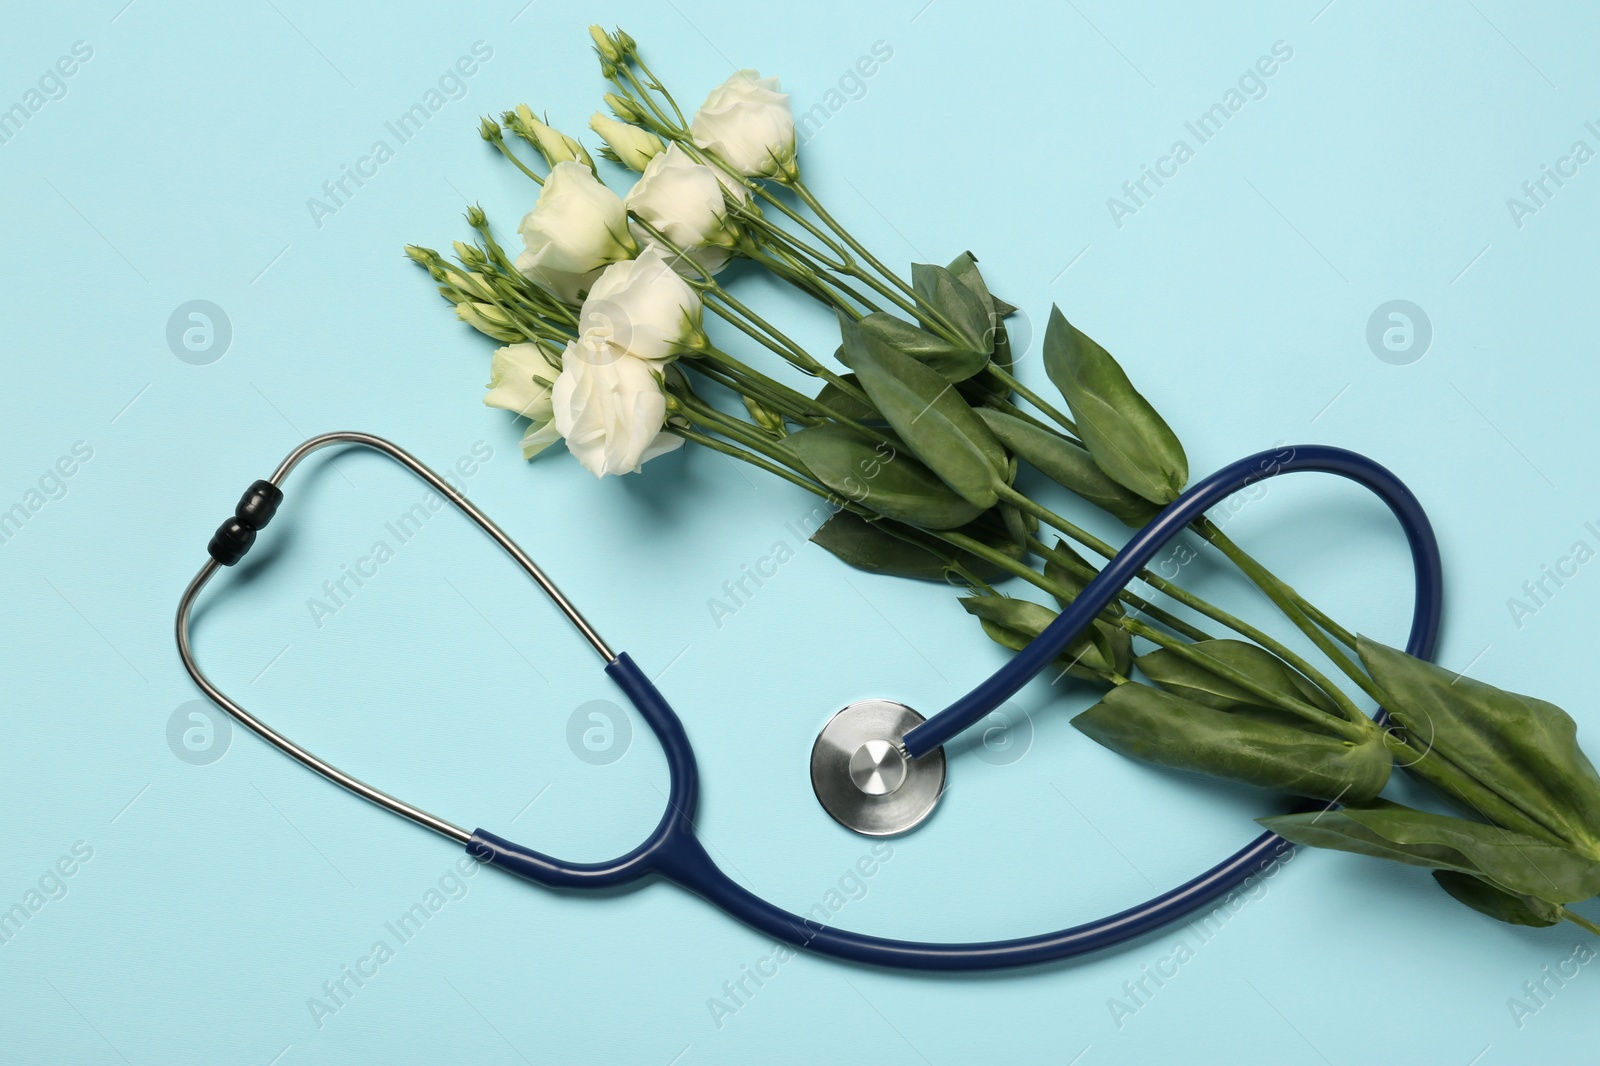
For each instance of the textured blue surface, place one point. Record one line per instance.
(217, 900)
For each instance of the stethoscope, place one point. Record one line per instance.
(877, 766)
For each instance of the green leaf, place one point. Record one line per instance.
(1124, 434)
(868, 546)
(842, 403)
(1156, 727)
(879, 476)
(953, 363)
(1193, 681)
(998, 338)
(1498, 904)
(968, 314)
(1515, 862)
(1068, 465)
(1014, 623)
(964, 268)
(930, 416)
(1523, 749)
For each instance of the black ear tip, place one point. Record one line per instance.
(234, 537)
(231, 540)
(258, 504)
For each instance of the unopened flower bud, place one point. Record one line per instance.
(624, 107)
(629, 145)
(472, 314)
(608, 48)
(555, 146)
(489, 130)
(420, 255)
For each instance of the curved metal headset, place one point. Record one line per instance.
(672, 850)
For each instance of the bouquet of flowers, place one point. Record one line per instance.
(914, 431)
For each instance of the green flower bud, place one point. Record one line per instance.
(603, 44)
(629, 145)
(624, 107)
(555, 146)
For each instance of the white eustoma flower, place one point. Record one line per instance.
(644, 308)
(576, 228)
(633, 147)
(684, 202)
(747, 122)
(610, 406)
(521, 377)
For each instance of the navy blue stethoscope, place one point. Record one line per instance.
(866, 764)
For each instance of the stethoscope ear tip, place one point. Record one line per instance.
(862, 775)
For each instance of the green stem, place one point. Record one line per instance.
(794, 397)
(660, 87)
(1578, 920)
(1283, 598)
(1140, 605)
(1189, 599)
(505, 150)
(1027, 394)
(856, 246)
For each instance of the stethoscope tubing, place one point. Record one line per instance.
(673, 851)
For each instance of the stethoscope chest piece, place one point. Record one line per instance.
(862, 775)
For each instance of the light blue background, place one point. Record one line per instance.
(220, 897)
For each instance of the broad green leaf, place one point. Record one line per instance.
(1015, 623)
(930, 416)
(953, 363)
(967, 313)
(1157, 727)
(1124, 434)
(1515, 862)
(1523, 749)
(1192, 681)
(1068, 465)
(964, 268)
(868, 546)
(998, 338)
(879, 476)
(842, 403)
(1497, 903)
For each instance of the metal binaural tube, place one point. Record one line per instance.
(283, 743)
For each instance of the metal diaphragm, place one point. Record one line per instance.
(862, 775)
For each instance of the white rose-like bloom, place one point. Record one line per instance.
(576, 227)
(747, 122)
(683, 200)
(520, 379)
(644, 308)
(610, 407)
